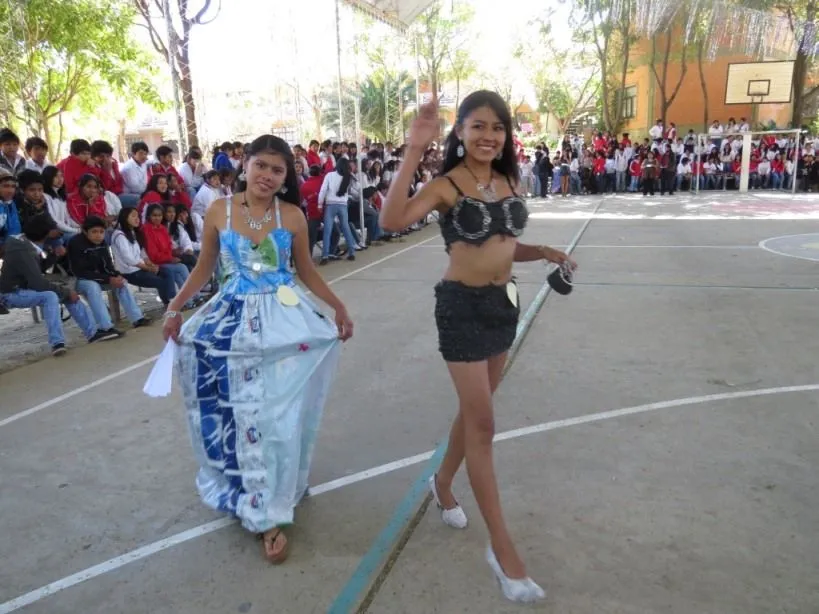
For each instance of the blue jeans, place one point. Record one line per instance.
(92, 292)
(331, 212)
(50, 302)
(178, 272)
(162, 282)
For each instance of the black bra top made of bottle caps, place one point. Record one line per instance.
(474, 221)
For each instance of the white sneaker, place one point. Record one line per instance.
(455, 518)
(523, 590)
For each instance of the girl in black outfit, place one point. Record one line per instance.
(481, 218)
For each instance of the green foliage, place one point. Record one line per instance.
(440, 34)
(63, 55)
(373, 93)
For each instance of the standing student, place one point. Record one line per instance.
(482, 218)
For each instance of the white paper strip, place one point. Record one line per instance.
(160, 381)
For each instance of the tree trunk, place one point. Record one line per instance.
(316, 106)
(123, 150)
(800, 70)
(186, 85)
(703, 85)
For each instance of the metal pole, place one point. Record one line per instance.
(180, 124)
(794, 175)
(359, 172)
(338, 74)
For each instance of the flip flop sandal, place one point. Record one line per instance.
(270, 540)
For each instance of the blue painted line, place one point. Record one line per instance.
(348, 598)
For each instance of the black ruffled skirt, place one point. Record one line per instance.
(474, 322)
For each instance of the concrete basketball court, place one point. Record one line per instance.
(658, 440)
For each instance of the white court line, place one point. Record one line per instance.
(147, 361)
(763, 245)
(180, 538)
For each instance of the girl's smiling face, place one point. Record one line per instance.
(133, 219)
(156, 217)
(170, 214)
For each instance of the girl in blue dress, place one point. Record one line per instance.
(256, 362)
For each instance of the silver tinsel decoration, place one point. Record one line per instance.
(754, 33)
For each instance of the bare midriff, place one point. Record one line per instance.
(482, 265)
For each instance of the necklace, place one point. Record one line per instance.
(487, 190)
(256, 223)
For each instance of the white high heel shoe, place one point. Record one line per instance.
(523, 590)
(455, 518)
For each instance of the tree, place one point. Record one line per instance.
(64, 55)
(440, 34)
(565, 85)
(807, 11)
(610, 39)
(668, 92)
(173, 44)
(373, 91)
(461, 67)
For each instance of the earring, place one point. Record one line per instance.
(283, 190)
(243, 176)
(460, 150)
(499, 156)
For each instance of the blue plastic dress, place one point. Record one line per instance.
(255, 374)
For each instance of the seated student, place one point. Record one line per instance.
(209, 191)
(54, 192)
(156, 241)
(91, 264)
(193, 225)
(309, 194)
(31, 203)
(10, 158)
(157, 193)
(192, 171)
(37, 150)
(178, 195)
(76, 165)
(9, 217)
(102, 153)
(181, 244)
(134, 175)
(226, 177)
(132, 262)
(23, 285)
(374, 231)
(87, 200)
(164, 165)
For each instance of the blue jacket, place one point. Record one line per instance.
(9, 221)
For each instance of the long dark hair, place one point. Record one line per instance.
(49, 174)
(271, 144)
(508, 164)
(122, 224)
(153, 186)
(343, 169)
(189, 226)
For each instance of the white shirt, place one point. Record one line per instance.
(656, 132)
(59, 211)
(764, 168)
(191, 177)
(204, 198)
(715, 131)
(134, 177)
(127, 255)
(683, 169)
(33, 166)
(329, 188)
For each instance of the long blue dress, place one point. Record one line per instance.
(255, 373)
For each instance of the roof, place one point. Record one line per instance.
(397, 13)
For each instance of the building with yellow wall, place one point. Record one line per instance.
(643, 97)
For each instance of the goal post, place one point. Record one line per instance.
(749, 141)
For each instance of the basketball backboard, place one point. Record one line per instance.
(759, 82)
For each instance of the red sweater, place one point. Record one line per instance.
(158, 244)
(599, 166)
(636, 169)
(111, 180)
(158, 169)
(152, 198)
(73, 169)
(313, 159)
(777, 166)
(309, 193)
(78, 209)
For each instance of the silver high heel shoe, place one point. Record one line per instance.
(523, 590)
(455, 518)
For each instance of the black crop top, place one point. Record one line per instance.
(474, 221)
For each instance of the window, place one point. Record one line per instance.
(629, 102)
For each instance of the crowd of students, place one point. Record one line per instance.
(86, 225)
(667, 162)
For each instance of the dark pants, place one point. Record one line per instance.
(668, 181)
(648, 186)
(162, 282)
